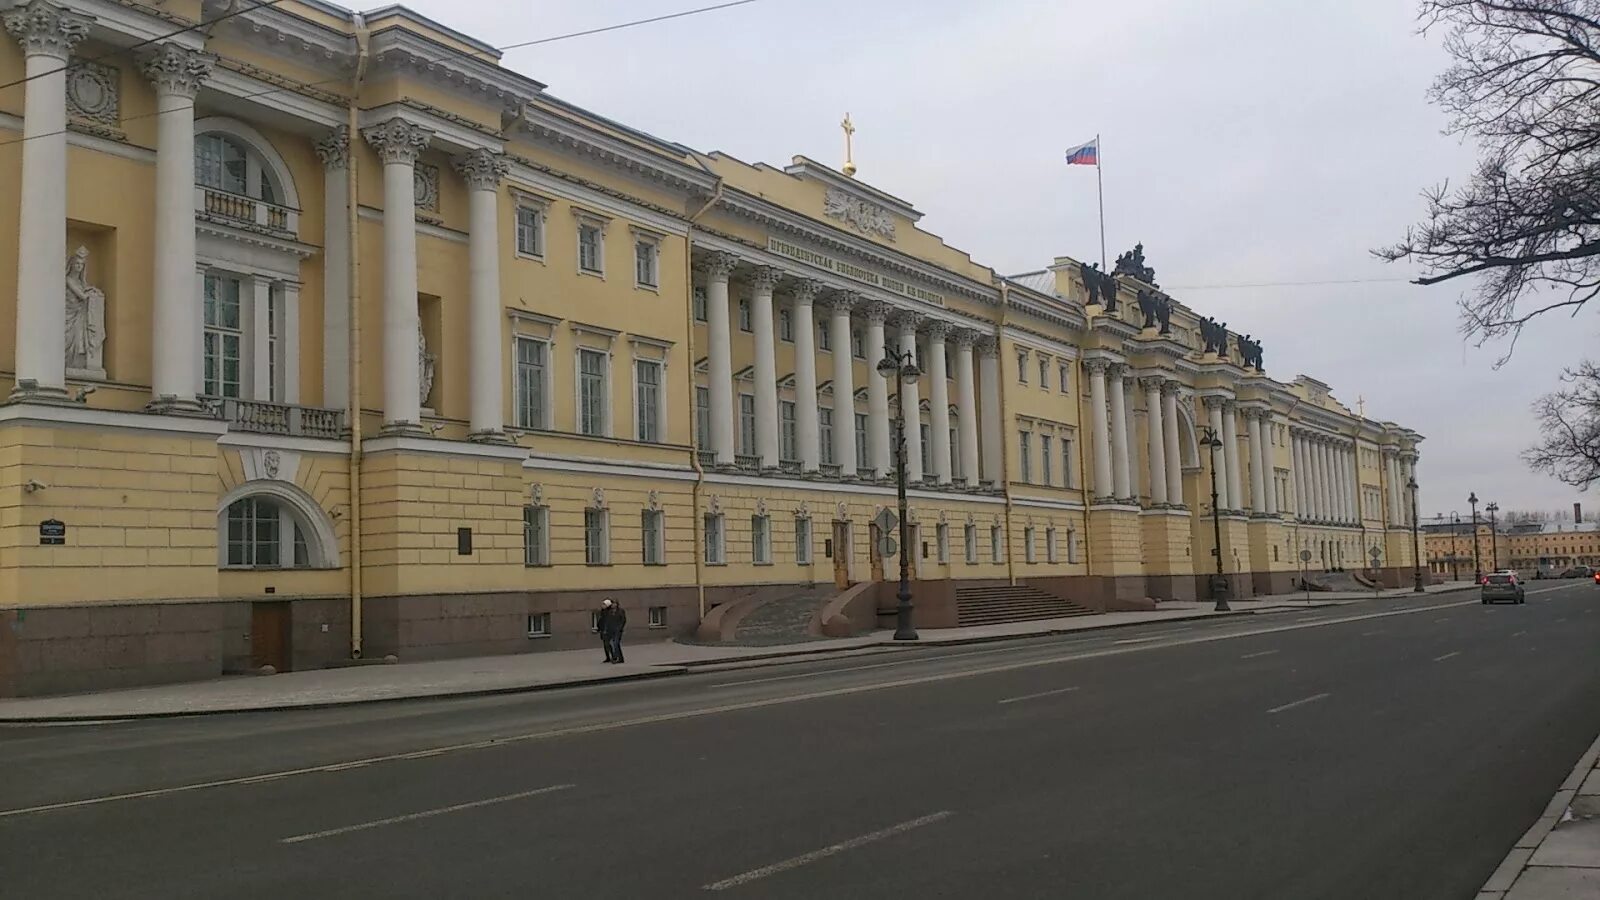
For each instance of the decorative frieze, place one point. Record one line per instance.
(426, 179)
(862, 215)
(94, 93)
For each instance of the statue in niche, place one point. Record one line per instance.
(86, 317)
(425, 362)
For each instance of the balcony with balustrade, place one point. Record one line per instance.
(261, 417)
(248, 212)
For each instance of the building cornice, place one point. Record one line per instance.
(282, 32)
(450, 132)
(807, 168)
(397, 50)
(546, 127)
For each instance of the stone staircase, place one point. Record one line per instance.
(783, 620)
(1001, 603)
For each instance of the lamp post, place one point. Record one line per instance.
(901, 368)
(1416, 557)
(1477, 565)
(1219, 582)
(1455, 533)
(1494, 537)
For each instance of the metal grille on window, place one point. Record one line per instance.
(535, 536)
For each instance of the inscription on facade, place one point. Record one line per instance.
(852, 272)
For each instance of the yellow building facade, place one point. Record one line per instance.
(334, 338)
(1534, 550)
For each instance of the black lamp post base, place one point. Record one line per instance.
(1417, 588)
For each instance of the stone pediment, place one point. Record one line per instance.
(853, 205)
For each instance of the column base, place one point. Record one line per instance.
(403, 429)
(30, 391)
(168, 405)
(495, 436)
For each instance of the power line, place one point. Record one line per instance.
(452, 54)
(1267, 284)
(144, 43)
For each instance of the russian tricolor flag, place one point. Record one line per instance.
(1085, 154)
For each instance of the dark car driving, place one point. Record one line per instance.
(1499, 586)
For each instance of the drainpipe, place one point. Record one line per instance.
(1083, 464)
(1005, 426)
(694, 445)
(352, 205)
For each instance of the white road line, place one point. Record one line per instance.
(1518, 633)
(1065, 690)
(1560, 620)
(598, 727)
(1312, 699)
(1371, 633)
(1442, 619)
(1135, 640)
(428, 814)
(1258, 655)
(1446, 656)
(825, 852)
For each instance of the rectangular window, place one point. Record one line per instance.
(927, 450)
(531, 384)
(596, 537)
(955, 454)
(785, 326)
(825, 434)
(224, 337)
(1050, 543)
(1046, 460)
(1025, 448)
(536, 535)
(858, 344)
(994, 543)
(744, 313)
(802, 541)
(861, 441)
(1022, 366)
(644, 263)
(715, 551)
(590, 258)
(591, 392)
(1066, 378)
(941, 537)
(1072, 547)
(1066, 462)
(274, 310)
(653, 550)
(254, 537)
(761, 540)
(787, 448)
(702, 417)
(538, 624)
(530, 231)
(658, 617)
(747, 424)
(1044, 374)
(1027, 545)
(970, 538)
(824, 337)
(648, 400)
(698, 303)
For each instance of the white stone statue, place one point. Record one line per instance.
(425, 369)
(86, 318)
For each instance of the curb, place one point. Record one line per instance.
(1510, 869)
(655, 672)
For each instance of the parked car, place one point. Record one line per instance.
(1499, 586)
(1579, 572)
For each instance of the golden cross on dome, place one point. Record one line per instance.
(1361, 406)
(849, 159)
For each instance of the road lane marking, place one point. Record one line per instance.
(1518, 633)
(830, 850)
(1446, 656)
(1371, 633)
(1560, 620)
(1302, 702)
(1258, 655)
(1065, 690)
(1142, 640)
(597, 727)
(426, 814)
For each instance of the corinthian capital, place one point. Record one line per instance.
(875, 311)
(176, 70)
(764, 278)
(398, 141)
(719, 264)
(938, 331)
(44, 29)
(806, 290)
(482, 169)
(334, 150)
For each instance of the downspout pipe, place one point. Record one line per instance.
(1005, 427)
(352, 204)
(694, 439)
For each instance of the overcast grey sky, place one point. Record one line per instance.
(1243, 142)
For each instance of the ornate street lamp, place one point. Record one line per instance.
(1416, 557)
(1219, 582)
(1494, 537)
(1477, 565)
(1455, 534)
(901, 368)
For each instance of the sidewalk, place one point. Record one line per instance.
(483, 675)
(1559, 857)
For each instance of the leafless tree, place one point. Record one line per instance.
(1524, 85)
(1569, 426)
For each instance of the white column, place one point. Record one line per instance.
(1270, 470)
(1157, 451)
(482, 170)
(47, 34)
(989, 410)
(844, 384)
(334, 151)
(1396, 489)
(967, 407)
(719, 375)
(764, 279)
(1324, 482)
(177, 74)
(1169, 430)
(911, 399)
(1214, 412)
(289, 340)
(939, 402)
(1121, 475)
(399, 143)
(1258, 463)
(1341, 509)
(1230, 455)
(1104, 486)
(1347, 471)
(878, 449)
(805, 376)
(260, 357)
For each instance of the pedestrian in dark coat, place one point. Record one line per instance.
(612, 622)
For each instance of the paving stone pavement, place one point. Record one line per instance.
(1559, 856)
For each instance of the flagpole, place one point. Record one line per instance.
(1100, 192)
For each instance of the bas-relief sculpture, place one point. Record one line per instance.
(85, 319)
(425, 362)
(863, 216)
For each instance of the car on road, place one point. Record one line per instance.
(1499, 586)
(1580, 572)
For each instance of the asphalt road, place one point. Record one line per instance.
(1380, 750)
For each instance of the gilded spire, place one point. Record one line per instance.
(849, 158)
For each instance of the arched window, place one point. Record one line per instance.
(223, 163)
(261, 533)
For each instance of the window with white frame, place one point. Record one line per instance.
(538, 624)
(1022, 366)
(1072, 546)
(1044, 373)
(533, 383)
(1066, 462)
(652, 540)
(263, 534)
(1046, 460)
(788, 448)
(646, 261)
(592, 365)
(530, 231)
(1027, 545)
(1066, 377)
(955, 450)
(224, 336)
(744, 314)
(1050, 543)
(825, 434)
(1025, 449)
(715, 539)
(941, 538)
(702, 417)
(698, 303)
(785, 326)
(647, 400)
(596, 537)
(858, 343)
(824, 337)
(802, 540)
(927, 449)
(861, 441)
(536, 535)
(657, 617)
(761, 540)
(995, 545)
(222, 163)
(969, 538)
(747, 424)
(591, 248)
